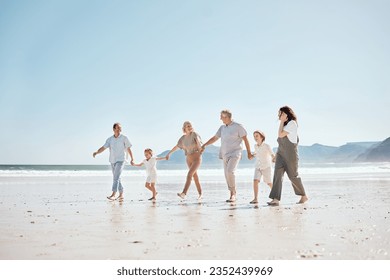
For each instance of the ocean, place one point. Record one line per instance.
(357, 170)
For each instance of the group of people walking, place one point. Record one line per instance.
(232, 135)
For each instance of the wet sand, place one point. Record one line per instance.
(68, 218)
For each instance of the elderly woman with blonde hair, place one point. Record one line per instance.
(191, 143)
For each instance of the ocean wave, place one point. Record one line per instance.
(246, 171)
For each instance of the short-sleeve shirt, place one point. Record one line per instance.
(190, 143)
(292, 129)
(118, 147)
(263, 156)
(150, 166)
(231, 139)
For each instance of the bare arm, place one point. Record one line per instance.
(271, 153)
(136, 164)
(101, 149)
(248, 147)
(130, 154)
(174, 149)
(161, 158)
(210, 141)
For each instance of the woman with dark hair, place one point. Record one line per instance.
(287, 157)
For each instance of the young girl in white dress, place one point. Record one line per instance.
(150, 163)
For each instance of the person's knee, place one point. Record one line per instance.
(293, 176)
(191, 173)
(189, 177)
(231, 174)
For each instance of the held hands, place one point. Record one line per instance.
(250, 156)
(167, 157)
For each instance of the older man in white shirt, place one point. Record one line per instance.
(232, 134)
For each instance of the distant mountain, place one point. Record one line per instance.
(316, 153)
(350, 151)
(377, 153)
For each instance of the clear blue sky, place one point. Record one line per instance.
(70, 69)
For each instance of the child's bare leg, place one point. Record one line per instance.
(150, 187)
(147, 185)
(255, 190)
(153, 189)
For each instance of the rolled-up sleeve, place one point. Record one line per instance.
(241, 131)
(127, 143)
(107, 144)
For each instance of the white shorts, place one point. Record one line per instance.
(265, 173)
(151, 178)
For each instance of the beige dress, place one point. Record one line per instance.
(190, 143)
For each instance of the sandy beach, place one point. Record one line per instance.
(68, 218)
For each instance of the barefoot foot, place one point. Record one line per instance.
(303, 199)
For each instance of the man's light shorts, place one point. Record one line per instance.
(265, 173)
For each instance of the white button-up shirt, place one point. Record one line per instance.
(263, 154)
(118, 147)
(231, 139)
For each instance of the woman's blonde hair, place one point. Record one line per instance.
(185, 124)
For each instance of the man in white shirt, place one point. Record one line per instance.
(118, 145)
(232, 134)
